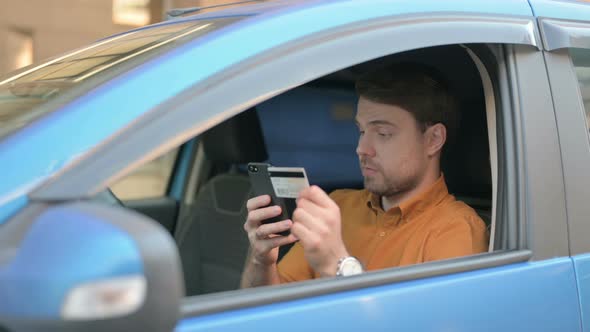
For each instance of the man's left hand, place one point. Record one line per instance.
(317, 225)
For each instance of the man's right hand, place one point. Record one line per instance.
(264, 241)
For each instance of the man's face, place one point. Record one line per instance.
(391, 148)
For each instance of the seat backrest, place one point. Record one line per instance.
(212, 244)
(313, 127)
(466, 157)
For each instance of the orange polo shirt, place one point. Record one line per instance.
(432, 225)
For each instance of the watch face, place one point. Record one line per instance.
(350, 266)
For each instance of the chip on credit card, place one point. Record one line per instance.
(287, 182)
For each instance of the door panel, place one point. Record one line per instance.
(537, 296)
(568, 66)
(582, 268)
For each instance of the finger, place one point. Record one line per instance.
(307, 237)
(302, 217)
(264, 246)
(257, 202)
(261, 214)
(266, 230)
(311, 208)
(255, 217)
(318, 196)
(282, 240)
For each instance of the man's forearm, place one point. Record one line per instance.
(259, 275)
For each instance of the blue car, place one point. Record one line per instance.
(205, 93)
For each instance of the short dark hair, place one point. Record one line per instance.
(419, 89)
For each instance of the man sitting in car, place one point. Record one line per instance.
(405, 214)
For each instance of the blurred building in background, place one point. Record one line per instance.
(33, 30)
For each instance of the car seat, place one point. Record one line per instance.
(212, 243)
(466, 163)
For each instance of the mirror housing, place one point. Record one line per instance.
(92, 267)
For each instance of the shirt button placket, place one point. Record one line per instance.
(381, 225)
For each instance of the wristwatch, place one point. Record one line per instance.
(348, 266)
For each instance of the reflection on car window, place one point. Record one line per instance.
(21, 93)
(581, 58)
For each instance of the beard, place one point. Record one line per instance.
(387, 186)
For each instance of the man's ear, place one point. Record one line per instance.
(436, 136)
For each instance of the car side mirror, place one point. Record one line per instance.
(91, 267)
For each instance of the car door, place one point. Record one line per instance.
(566, 36)
(527, 284)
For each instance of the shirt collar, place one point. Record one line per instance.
(417, 204)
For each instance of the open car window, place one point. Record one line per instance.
(313, 126)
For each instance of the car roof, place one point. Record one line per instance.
(46, 147)
(511, 7)
(264, 9)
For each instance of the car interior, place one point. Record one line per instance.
(312, 126)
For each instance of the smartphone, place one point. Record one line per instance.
(282, 184)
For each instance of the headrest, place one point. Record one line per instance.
(238, 140)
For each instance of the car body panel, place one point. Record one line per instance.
(582, 267)
(539, 296)
(571, 118)
(503, 7)
(12, 204)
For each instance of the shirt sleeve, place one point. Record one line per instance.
(293, 266)
(460, 237)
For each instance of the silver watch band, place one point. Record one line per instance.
(348, 266)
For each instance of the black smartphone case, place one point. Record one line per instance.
(261, 185)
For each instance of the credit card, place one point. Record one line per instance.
(287, 182)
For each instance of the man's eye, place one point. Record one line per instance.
(361, 132)
(384, 134)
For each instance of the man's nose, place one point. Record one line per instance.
(364, 147)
